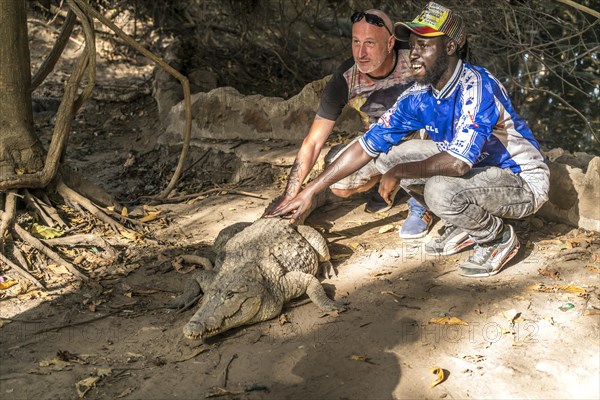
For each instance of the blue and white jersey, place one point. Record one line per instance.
(472, 119)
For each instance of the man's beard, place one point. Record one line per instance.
(438, 69)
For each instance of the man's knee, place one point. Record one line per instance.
(440, 193)
(343, 193)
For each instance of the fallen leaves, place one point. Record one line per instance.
(8, 283)
(447, 321)
(85, 385)
(386, 228)
(440, 375)
(364, 359)
(45, 232)
(540, 287)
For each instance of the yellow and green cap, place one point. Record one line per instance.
(435, 20)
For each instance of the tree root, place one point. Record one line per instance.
(21, 271)
(39, 246)
(44, 211)
(48, 215)
(69, 194)
(8, 215)
(83, 240)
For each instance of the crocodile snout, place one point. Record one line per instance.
(193, 330)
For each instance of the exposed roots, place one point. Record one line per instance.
(29, 256)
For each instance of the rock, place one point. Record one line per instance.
(574, 196)
(224, 113)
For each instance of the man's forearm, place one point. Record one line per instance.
(348, 162)
(296, 177)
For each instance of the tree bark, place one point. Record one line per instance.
(20, 150)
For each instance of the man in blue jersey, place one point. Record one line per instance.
(486, 164)
(370, 82)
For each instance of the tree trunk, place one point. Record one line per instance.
(20, 150)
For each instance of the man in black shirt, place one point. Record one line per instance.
(370, 82)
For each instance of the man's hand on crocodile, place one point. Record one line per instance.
(278, 202)
(293, 208)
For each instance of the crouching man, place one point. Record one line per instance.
(484, 164)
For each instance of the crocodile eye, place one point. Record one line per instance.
(229, 294)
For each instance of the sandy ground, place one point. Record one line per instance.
(530, 332)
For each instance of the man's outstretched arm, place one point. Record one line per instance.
(305, 160)
(349, 161)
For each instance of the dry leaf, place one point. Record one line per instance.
(379, 273)
(124, 212)
(540, 287)
(84, 385)
(59, 269)
(219, 392)
(283, 319)
(549, 272)
(441, 376)
(511, 315)
(572, 289)
(178, 265)
(355, 357)
(125, 392)
(398, 296)
(45, 232)
(55, 364)
(386, 228)
(151, 216)
(129, 234)
(6, 284)
(447, 321)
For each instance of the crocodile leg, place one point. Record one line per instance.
(318, 242)
(296, 283)
(197, 285)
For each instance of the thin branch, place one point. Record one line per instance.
(172, 71)
(83, 240)
(90, 41)
(38, 245)
(57, 50)
(21, 271)
(581, 8)
(566, 103)
(87, 321)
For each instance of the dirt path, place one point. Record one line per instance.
(517, 344)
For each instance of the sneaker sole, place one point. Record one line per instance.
(414, 235)
(464, 245)
(505, 261)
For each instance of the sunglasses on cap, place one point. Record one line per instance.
(370, 18)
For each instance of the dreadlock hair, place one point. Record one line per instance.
(465, 54)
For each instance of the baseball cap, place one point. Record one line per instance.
(435, 20)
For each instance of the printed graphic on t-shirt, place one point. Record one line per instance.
(372, 97)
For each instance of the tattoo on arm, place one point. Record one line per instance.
(294, 180)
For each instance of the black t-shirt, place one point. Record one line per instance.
(371, 97)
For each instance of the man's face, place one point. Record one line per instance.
(429, 60)
(371, 45)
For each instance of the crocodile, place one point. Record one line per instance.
(257, 269)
